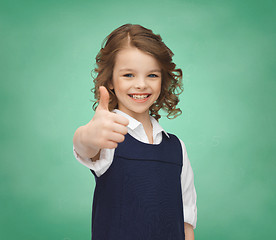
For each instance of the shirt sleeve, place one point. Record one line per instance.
(188, 190)
(100, 165)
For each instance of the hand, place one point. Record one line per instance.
(106, 129)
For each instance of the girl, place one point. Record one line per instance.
(144, 180)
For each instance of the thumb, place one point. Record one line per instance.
(104, 98)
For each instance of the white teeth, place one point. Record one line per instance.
(139, 96)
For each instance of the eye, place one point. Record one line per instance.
(153, 75)
(128, 75)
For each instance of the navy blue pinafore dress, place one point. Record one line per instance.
(139, 197)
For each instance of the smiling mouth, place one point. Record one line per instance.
(137, 96)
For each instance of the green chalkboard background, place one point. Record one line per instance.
(227, 52)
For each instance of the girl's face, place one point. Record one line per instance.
(136, 81)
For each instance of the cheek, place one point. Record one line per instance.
(158, 86)
(121, 85)
(116, 83)
(159, 89)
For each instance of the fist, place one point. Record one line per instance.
(106, 129)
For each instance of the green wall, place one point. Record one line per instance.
(227, 52)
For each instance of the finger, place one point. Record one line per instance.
(119, 128)
(104, 98)
(120, 119)
(111, 144)
(116, 137)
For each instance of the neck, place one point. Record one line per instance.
(144, 119)
(146, 122)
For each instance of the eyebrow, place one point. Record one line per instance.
(131, 70)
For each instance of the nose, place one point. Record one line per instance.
(140, 83)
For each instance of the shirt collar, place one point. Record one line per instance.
(133, 123)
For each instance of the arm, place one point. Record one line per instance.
(82, 148)
(105, 130)
(189, 231)
(188, 191)
(100, 163)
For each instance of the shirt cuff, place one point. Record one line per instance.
(100, 165)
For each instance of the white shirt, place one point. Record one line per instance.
(136, 130)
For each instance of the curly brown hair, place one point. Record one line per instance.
(145, 40)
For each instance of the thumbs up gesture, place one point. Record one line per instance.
(106, 129)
